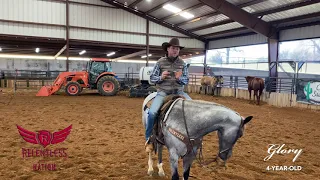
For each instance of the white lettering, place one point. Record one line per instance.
(279, 149)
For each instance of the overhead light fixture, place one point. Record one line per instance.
(146, 56)
(110, 54)
(0, 49)
(37, 50)
(197, 52)
(171, 8)
(197, 19)
(186, 15)
(82, 52)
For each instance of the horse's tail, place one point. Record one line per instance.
(261, 86)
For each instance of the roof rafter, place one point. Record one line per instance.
(159, 6)
(183, 10)
(217, 13)
(135, 3)
(246, 19)
(261, 13)
(296, 18)
(155, 20)
(276, 22)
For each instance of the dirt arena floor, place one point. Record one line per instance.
(107, 139)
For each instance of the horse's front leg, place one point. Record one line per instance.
(187, 162)
(150, 164)
(249, 93)
(213, 89)
(174, 157)
(161, 171)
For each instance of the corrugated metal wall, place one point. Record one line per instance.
(186, 42)
(157, 29)
(100, 35)
(32, 30)
(88, 22)
(238, 41)
(300, 33)
(33, 11)
(157, 40)
(105, 18)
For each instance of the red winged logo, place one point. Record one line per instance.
(44, 137)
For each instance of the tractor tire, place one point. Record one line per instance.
(73, 88)
(108, 86)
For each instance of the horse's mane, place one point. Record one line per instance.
(213, 103)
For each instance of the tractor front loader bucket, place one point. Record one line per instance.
(45, 91)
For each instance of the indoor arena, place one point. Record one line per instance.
(160, 89)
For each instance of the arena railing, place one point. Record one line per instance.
(279, 84)
(28, 79)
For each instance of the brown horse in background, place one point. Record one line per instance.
(211, 82)
(255, 84)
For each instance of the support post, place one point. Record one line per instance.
(206, 46)
(67, 34)
(147, 39)
(273, 48)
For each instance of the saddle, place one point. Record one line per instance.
(157, 135)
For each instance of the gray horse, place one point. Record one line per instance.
(199, 118)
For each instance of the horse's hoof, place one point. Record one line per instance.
(150, 172)
(161, 174)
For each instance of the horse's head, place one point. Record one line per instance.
(249, 78)
(244, 121)
(220, 78)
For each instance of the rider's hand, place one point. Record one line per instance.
(178, 74)
(164, 75)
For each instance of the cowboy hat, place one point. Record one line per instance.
(172, 42)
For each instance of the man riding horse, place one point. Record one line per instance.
(170, 74)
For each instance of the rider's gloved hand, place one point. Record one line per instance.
(164, 75)
(178, 74)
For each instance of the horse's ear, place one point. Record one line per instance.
(247, 119)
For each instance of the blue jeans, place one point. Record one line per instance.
(155, 106)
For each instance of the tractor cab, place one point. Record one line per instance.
(96, 67)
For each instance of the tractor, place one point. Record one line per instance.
(98, 75)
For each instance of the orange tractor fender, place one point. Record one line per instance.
(104, 74)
